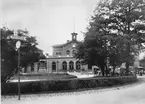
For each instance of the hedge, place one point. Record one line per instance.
(45, 76)
(64, 84)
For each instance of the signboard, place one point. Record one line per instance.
(18, 37)
(18, 44)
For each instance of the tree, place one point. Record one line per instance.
(93, 50)
(99, 43)
(8, 55)
(28, 51)
(115, 58)
(116, 32)
(128, 20)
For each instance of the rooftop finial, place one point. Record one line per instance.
(74, 24)
(74, 35)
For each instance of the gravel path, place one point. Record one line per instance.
(127, 94)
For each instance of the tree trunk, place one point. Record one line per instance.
(106, 70)
(128, 49)
(127, 61)
(113, 71)
(102, 70)
(127, 68)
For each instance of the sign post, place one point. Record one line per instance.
(18, 44)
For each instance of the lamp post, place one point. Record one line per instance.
(18, 44)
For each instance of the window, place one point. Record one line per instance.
(57, 53)
(64, 65)
(78, 65)
(53, 66)
(71, 65)
(42, 65)
(73, 52)
(68, 52)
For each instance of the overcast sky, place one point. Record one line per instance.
(51, 21)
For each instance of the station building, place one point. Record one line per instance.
(63, 57)
(61, 60)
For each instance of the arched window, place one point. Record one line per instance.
(73, 52)
(64, 65)
(68, 52)
(71, 65)
(53, 66)
(42, 65)
(78, 65)
(57, 53)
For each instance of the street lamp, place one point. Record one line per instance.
(18, 44)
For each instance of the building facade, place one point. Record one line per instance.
(61, 60)
(63, 57)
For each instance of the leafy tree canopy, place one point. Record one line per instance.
(116, 33)
(28, 51)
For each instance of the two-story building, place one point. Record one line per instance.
(61, 60)
(63, 57)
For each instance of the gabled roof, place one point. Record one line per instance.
(65, 44)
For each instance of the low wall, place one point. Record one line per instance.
(65, 84)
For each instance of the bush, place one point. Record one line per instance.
(65, 84)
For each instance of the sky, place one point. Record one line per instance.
(51, 21)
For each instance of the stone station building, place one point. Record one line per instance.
(62, 59)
